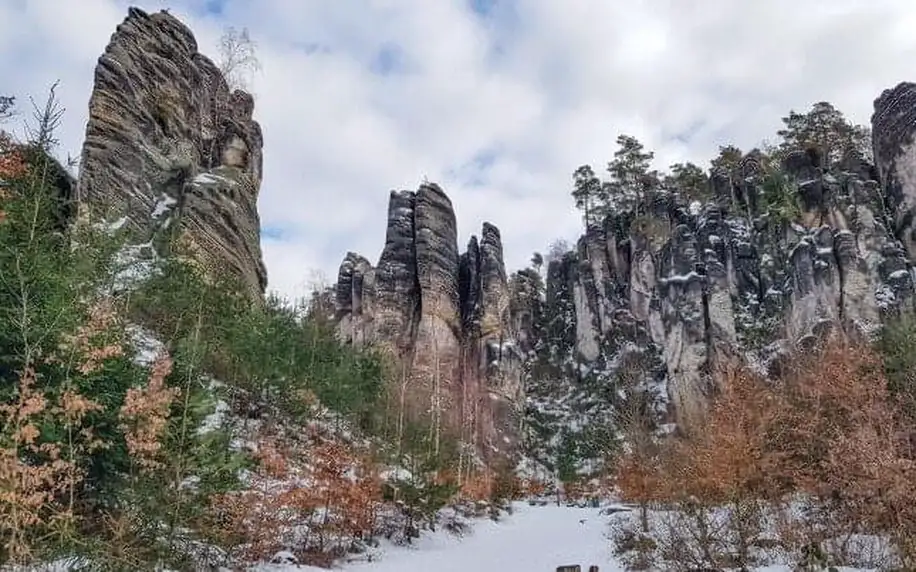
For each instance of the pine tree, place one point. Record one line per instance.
(537, 261)
(587, 194)
(631, 178)
(689, 180)
(6, 106)
(826, 129)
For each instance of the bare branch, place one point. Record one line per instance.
(238, 58)
(47, 120)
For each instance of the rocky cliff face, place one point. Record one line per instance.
(781, 251)
(893, 125)
(443, 315)
(778, 256)
(173, 150)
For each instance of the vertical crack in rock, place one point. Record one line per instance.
(445, 316)
(354, 296)
(397, 291)
(735, 278)
(497, 344)
(437, 343)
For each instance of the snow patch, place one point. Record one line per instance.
(163, 206)
(210, 179)
(146, 345)
(681, 278)
(134, 264)
(216, 419)
(531, 538)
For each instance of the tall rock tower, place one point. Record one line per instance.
(171, 149)
(444, 317)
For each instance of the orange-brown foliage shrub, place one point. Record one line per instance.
(314, 496)
(12, 166)
(478, 486)
(828, 432)
(41, 472)
(30, 490)
(145, 416)
(533, 487)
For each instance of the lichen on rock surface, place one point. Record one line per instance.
(173, 150)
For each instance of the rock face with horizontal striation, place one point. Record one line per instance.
(173, 150)
(444, 316)
(893, 130)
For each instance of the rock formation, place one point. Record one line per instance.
(652, 301)
(444, 316)
(893, 126)
(173, 150)
(776, 258)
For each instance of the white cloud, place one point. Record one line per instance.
(539, 86)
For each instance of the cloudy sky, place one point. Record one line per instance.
(498, 100)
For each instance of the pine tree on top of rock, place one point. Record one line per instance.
(826, 129)
(631, 178)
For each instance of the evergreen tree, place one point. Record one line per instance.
(727, 161)
(587, 194)
(537, 261)
(689, 180)
(6, 106)
(826, 129)
(567, 457)
(631, 179)
(103, 454)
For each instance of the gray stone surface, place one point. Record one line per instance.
(733, 279)
(173, 150)
(443, 314)
(683, 289)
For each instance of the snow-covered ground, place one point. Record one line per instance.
(533, 538)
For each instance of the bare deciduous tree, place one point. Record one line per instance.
(238, 58)
(557, 250)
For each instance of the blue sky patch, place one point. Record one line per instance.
(474, 171)
(214, 6)
(484, 159)
(686, 135)
(483, 7)
(388, 60)
(276, 233)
